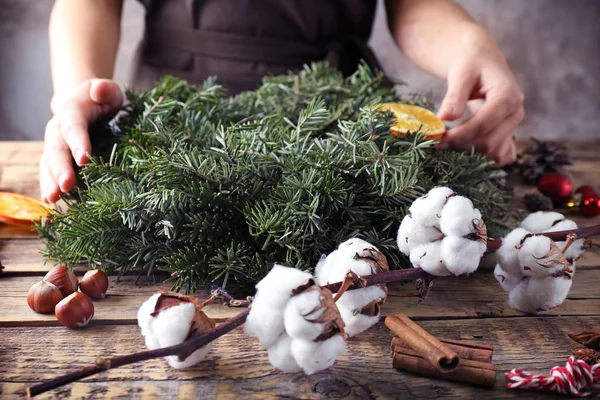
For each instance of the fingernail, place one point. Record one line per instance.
(443, 146)
(448, 110)
(79, 156)
(61, 181)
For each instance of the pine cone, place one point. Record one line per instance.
(537, 202)
(542, 158)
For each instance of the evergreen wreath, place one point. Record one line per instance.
(218, 189)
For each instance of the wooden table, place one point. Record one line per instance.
(36, 347)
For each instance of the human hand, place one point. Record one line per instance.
(482, 80)
(67, 133)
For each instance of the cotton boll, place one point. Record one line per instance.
(548, 293)
(427, 257)
(358, 298)
(338, 262)
(577, 247)
(458, 216)
(460, 255)
(356, 323)
(540, 221)
(507, 255)
(426, 209)
(506, 280)
(539, 257)
(300, 314)
(411, 235)
(265, 320)
(317, 356)
(280, 355)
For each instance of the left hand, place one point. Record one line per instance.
(482, 80)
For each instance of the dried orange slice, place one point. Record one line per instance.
(412, 118)
(18, 209)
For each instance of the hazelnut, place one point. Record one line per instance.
(63, 278)
(43, 297)
(75, 310)
(95, 284)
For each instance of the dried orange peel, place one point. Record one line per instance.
(410, 118)
(18, 209)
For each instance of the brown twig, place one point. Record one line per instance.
(350, 279)
(184, 349)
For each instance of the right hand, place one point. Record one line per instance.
(67, 133)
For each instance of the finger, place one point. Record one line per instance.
(494, 112)
(461, 83)
(73, 121)
(58, 157)
(48, 187)
(499, 144)
(107, 94)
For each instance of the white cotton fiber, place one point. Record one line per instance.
(265, 320)
(317, 356)
(356, 323)
(339, 261)
(358, 298)
(576, 249)
(280, 355)
(458, 217)
(144, 315)
(506, 280)
(411, 235)
(547, 293)
(540, 221)
(301, 312)
(507, 255)
(534, 260)
(428, 258)
(519, 298)
(426, 209)
(460, 255)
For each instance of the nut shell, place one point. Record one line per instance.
(75, 310)
(63, 278)
(94, 283)
(43, 297)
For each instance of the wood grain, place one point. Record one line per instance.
(476, 297)
(237, 367)
(35, 347)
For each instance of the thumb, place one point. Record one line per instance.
(460, 86)
(107, 94)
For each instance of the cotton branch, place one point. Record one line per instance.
(187, 347)
(582, 233)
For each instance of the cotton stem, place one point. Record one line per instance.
(187, 347)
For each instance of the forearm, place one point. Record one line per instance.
(432, 32)
(84, 38)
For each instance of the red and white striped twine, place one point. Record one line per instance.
(576, 378)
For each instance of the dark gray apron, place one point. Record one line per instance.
(240, 41)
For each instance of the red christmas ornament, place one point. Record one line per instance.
(556, 186)
(590, 206)
(586, 191)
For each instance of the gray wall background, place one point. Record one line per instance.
(553, 47)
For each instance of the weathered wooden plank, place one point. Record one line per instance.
(21, 152)
(21, 178)
(475, 297)
(238, 367)
(22, 256)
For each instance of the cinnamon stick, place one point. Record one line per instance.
(464, 350)
(423, 343)
(469, 371)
